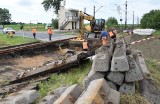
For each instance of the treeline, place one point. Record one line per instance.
(151, 20)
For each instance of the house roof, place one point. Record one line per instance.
(71, 9)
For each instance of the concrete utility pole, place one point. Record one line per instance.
(84, 10)
(126, 16)
(94, 11)
(137, 21)
(133, 20)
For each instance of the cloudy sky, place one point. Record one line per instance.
(32, 10)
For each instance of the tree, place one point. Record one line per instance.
(49, 4)
(55, 23)
(151, 20)
(111, 22)
(5, 16)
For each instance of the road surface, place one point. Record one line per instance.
(44, 36)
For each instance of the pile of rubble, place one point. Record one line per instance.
(115, 70)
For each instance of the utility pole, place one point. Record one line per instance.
(84, 10)
(94, 11)
(126, 16)
(137, 21)
(133, 20)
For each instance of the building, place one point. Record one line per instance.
(68, 19)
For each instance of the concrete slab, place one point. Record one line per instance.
(31, 95)
(96, 93)
(134, 74)
(127, 88)
(101, 62)
(70, 95)
(119, 59)
(92, 76)
(49, 99)
(141, 63)
(22, 97)
(116, 77)
(15, 98)
(112, 85)
(149, 90)
(106, 49)
(59, 91)
(114, 97)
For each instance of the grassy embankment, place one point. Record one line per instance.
(7, 41)
(73, 76)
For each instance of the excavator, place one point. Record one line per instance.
(96, 26)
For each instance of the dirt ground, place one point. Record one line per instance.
(150, 48)
(9, 68)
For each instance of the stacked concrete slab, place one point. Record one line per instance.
(101, 63)
(124, 71)
(99, 92)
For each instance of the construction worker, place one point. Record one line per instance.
(34, 32)
(112, 35)
(50, 33)
(85, 45)
(11, 34)
(104, 37)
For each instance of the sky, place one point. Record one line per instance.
(32, 10)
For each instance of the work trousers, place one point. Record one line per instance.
(50, 35)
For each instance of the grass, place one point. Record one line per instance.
(28, 27)
(7, 41)
(156, 33)
(133, 99)
(154, 68)
(73, 76)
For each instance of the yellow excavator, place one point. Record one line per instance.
(96, 26)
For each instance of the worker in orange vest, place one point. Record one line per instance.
(112, 35)
(11, 34)
(50, 33)
(34, 32)
(85, 45)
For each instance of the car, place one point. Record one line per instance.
(8, 30)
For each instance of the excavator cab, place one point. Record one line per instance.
(99, 25)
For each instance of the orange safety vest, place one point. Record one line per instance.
(49, 31)
(104, 39)
(111, 34)
(85, 45)
(34, 31)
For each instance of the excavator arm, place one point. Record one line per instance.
(84, 16)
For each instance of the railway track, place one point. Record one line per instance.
(30, 79)
(34, 45)
(35, 76)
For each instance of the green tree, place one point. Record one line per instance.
(52, 4)
(151, 20)
(111, 22)
(55, 23)
(5, 16)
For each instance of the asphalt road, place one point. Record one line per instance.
(43, 35)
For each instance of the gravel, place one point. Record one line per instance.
(149, 48)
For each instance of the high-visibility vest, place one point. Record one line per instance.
(104, 40)
(111, 34)
(11, 34)
(85, 45)
(34, 31)
(49, 31)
